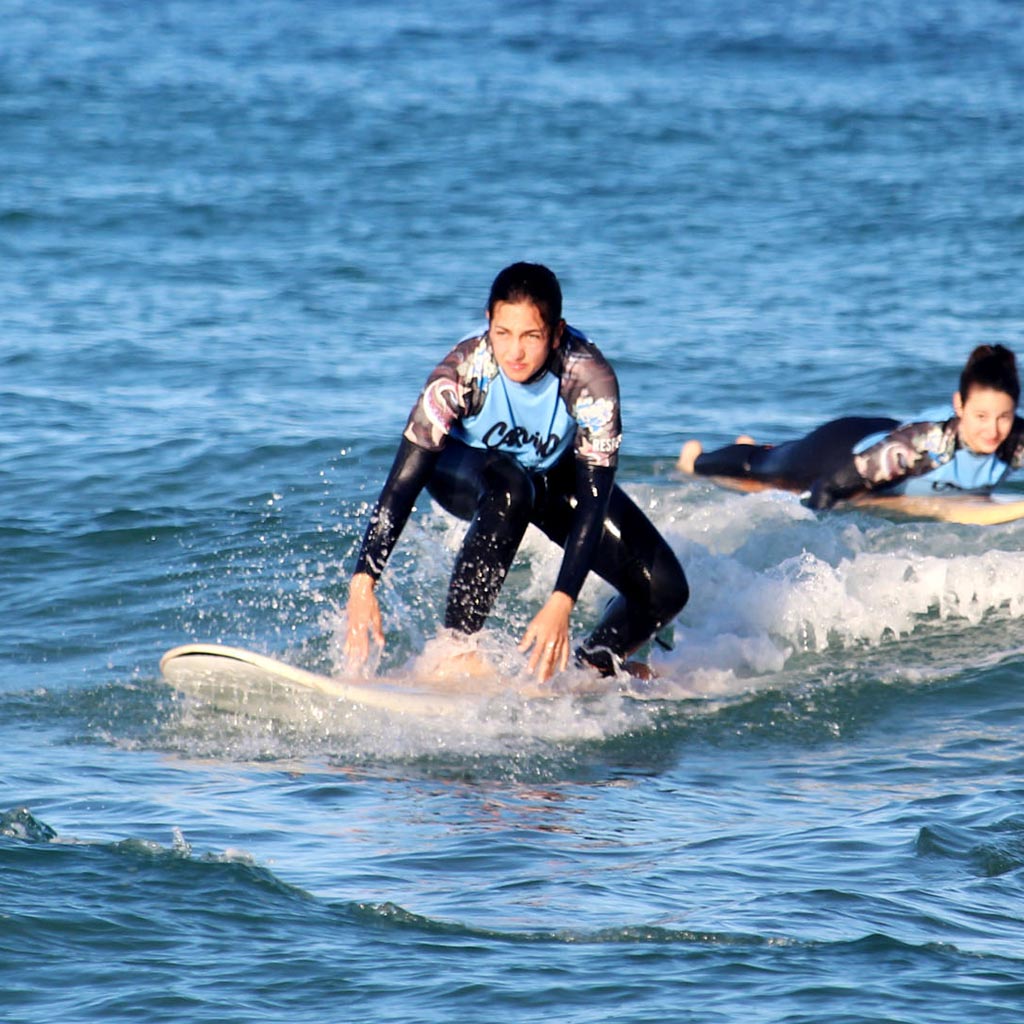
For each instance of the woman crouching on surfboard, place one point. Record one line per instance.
(974, 450)
(520, 425)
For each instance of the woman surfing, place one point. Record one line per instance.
(971, 452)
(517, 425)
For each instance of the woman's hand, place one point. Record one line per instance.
(363, 613)
(548, 635)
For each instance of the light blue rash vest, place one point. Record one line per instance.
(529, 421)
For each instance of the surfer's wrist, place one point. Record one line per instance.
(362, 583)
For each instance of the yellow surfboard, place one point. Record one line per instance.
(968, 509)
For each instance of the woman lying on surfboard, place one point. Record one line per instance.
(520, 425)
(972, 451)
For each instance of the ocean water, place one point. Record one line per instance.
(234, 239)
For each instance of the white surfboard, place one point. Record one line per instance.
(966, 509)
(234, 679)
(237, 680)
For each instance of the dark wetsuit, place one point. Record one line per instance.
(843, 457)
(795, 465)
(503, 455)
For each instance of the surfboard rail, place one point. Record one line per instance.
(217, 671)
(962, 509)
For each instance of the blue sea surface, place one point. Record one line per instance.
(234, 240)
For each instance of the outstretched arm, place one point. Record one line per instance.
(548, 632)
(409, 473)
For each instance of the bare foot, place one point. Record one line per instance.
(688, 456)
(745, 439)
(448, 659)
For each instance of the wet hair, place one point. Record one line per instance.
(991, 366)
(529, 282)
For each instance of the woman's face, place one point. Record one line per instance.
(986, 417)
(520, 339)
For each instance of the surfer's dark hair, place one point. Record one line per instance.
(529, 282)
(991, 366)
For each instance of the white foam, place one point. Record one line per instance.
(769, 576)
(770, 581)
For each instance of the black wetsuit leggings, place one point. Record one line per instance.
(500, 499)
(795, 464)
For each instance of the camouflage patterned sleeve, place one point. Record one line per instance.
(453, 390)
(591, 393)
(910, 450)
(1012, 449)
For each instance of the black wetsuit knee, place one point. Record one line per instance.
(495, 493)
(632, 619)
(651, 584)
